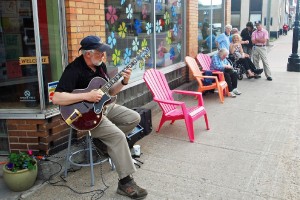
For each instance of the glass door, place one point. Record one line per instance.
(18, 70)
(27, 83)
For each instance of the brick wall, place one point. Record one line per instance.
(228, 12)
(192, 30)
(83, 18)
(39, 135)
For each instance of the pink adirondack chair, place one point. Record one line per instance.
(174, 110)
(204, 60)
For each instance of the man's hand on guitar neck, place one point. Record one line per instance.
(126, 75)
(116, 88)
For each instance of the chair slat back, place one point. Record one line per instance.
(192, 64)
(204, 60)
(158, 85)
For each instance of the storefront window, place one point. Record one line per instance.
(235, 13)
(130, 27)
(20, 82)
(128, 30)
(210, 24)
(169, 35)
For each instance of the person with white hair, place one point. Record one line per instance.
(220, 63)
(222, 40)
(233, 31)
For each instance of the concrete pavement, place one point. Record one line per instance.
(252, 150)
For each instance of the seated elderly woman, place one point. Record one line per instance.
(242, 58)
(220, 63)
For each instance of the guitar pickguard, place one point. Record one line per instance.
(98, 107)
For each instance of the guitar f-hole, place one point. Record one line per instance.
(73, 117)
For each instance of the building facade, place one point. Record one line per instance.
(39, 37)
(272, 14)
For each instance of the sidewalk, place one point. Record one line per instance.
(251, 151)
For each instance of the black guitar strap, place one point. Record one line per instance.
(103, 74)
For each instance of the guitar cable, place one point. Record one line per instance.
(45, 158)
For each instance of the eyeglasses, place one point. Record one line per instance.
(98, 53)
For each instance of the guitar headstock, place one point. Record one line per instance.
(143, 53)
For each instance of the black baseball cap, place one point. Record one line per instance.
(93, 42)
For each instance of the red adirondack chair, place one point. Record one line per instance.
(174, 110)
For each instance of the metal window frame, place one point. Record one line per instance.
(42, 112)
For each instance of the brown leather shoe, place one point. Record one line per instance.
(132, 190)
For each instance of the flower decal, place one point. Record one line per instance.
(139, 3)
(158, 5)
(172, 53)
(173, 10)
(169, 37)
(158, 26)
(144, 43)
(142, 64)
(116, 57)
(129, 11)
(178, 3)
(179, 47)
(127, 56)
(149, 28)
(122, 30)
(112, 40)
(167, 18)
(162, 22)
(137, 26)
(135, 44)
(111, 15)
(175, 30)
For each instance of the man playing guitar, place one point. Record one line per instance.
(116, 121)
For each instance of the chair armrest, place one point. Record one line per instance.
(197, 94)
(187, 92)
(168, 101)
(220, 75)
(212, 77)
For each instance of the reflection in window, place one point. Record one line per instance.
(235, 5)
(18, 63)
(209, 28)
(235, 20)
(128, 30)
(256, 5)
(130, 27)
(169, 35)
(18, 77)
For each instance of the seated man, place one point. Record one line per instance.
(220, 63)
(117, 119)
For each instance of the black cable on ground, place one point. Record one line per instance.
(98, 193)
